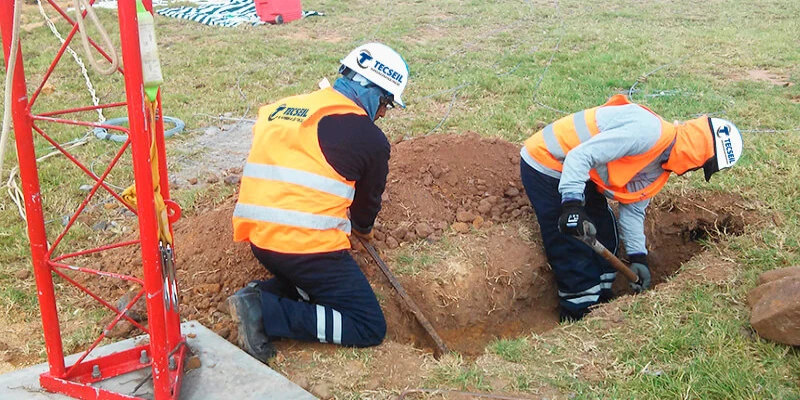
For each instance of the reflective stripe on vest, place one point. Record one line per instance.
(582, 131)
(550, 146)
(298, 177)
(291, 218)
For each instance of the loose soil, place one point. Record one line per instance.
(454, 206)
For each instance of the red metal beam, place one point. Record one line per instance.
(31, 191)
(148, 227)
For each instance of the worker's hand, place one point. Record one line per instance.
(639, 267)
(365, 236)
(574, 221)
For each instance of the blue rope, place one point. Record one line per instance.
(102, 133)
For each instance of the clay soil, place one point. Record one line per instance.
(458, 201)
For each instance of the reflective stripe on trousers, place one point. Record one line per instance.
(591, 295)
(336, 322)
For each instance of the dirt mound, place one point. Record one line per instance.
(457, 229)
(440, 181)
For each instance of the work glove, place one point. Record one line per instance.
(365, 236)
(639, 267)
(574, 220)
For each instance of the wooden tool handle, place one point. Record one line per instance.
(598, 247)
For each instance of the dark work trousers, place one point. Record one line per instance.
(320, 297)
(584, 278)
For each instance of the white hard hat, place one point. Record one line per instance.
(380, 65)
(727, 145)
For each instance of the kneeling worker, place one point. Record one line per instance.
(316, 158)
(622, 151)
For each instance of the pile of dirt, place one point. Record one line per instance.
(442, 182)
(456, 196)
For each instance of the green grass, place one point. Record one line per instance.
(512, 350)
(413, 259)
(453, 371)
(497, 68)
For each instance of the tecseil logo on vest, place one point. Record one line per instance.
(289, 114)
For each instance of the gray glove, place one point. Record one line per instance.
(643, 273)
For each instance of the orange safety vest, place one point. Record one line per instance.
(291, 200)
(551, 145)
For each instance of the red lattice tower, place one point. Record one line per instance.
(166, 351)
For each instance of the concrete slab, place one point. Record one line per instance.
(226, 372)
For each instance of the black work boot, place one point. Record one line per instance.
(245, 309)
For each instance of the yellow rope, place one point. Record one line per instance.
(129, 194)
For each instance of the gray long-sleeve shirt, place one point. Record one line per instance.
(625, 130)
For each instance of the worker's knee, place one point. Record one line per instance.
(375, 333)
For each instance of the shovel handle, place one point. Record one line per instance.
(615, 262)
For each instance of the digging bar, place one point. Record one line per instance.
(598, 248)
(441, 348)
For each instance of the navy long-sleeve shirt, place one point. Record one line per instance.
(359, 151)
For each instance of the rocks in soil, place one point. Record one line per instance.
(122, 329)
(232, 180)
(432, 184)
(423, 230)
(779, 273)
(23, 274)
(511, 192)
(400, 233)
(192, 363)
(138, 311)
(465, 216)
(775, 304)
(460, 227)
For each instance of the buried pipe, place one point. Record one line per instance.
(441, 348)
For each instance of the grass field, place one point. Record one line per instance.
(499, 69)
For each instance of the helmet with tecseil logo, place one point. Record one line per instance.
(727, 146)
(381, 65)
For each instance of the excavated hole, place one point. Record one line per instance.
(715, 230)
(458, 231)
(507, 290)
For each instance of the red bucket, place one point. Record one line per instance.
(279, 11)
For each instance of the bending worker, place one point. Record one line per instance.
(622, 151)
(315, 174)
